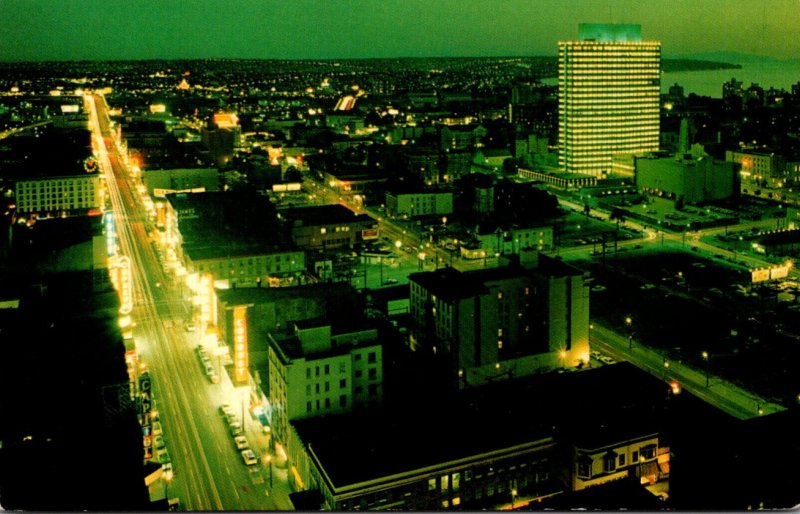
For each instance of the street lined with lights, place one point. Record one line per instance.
(207, 473)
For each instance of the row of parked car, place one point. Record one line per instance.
(160, 453)
(239, 440)
(603, 358)
(211, 373)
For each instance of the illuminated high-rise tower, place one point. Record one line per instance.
(608, 97)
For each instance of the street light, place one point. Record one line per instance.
(705, 358)
(268, 461)
(167, 480)
(629, 324)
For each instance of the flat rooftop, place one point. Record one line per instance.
(593, 408)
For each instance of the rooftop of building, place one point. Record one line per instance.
(227, 224)
(52, 153)
(293, 347)
(380, 442)
(322, 215)
(625, 494)
(264, 295)
(450, 283)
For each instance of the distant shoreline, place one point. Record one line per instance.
(680, 65)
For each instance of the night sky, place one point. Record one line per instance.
(296, 29)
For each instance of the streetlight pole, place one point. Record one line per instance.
(167, 479)
(705, 358)
(629, 324)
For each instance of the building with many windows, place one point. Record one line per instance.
(54, 195)
(206, 234)
(502, 322)
(315, 370)
(608, 97)
(420, 203)
(328, 227)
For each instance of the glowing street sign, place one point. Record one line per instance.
(125, 285)
(111, 234)
(240, 344)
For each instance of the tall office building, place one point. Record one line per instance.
(608, 97)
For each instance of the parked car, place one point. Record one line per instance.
(226, 411)
(235, 428)
(190, 327)
(249, 457)
(241, 442)
(158, 441)
(162, 456)
(156, 428)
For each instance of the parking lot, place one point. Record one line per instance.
(684, 304)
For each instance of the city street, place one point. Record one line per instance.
(720, 393)
(209, 473)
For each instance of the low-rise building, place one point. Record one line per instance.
(696, 177)
(494, 240)
(316, 371)
(53, 195)
(328, 227)
(486, 449)
(161, 182)
(208, 236)
(421, 203)
(502, 322)
(757, 165)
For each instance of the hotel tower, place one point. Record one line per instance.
(608, 97)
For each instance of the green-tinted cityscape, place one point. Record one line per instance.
(315, 256)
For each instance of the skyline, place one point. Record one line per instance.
(43, 30)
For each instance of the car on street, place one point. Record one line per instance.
(226, 411)
(162, 456)
(190, 327)
(390, 281)
(256, 477)
(607, 359)
(249, 457)
(158, 441)
(235, 428)
(157, 430)
(241, 442)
